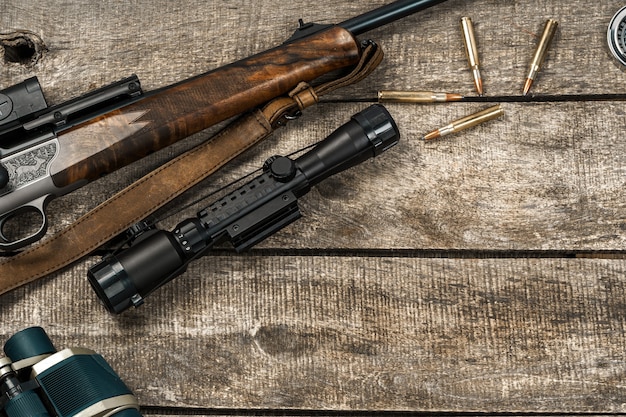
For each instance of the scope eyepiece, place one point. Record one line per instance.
(110, 281)
(379, 127)
(246, 216)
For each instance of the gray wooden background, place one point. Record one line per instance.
(483, 272)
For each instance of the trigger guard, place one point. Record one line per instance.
(35, 206)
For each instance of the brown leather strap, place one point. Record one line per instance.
(132, 204)
(146, 195)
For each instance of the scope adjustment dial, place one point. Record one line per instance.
(281, 168)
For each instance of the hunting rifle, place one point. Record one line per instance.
(46, 152)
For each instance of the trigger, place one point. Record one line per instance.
(13, 234)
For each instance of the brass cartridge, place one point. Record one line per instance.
(471, 50)
(466, 122)
(392, 96)
(540, 53)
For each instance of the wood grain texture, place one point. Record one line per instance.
(272, 332)
(494, 187)
(439, 278)
(424, 51)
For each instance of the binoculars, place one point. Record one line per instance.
(38, 381)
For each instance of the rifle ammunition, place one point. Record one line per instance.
(389, 96)
(540, 53)
(466, 122)
(471, 50)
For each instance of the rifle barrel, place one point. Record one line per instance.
(386, 14)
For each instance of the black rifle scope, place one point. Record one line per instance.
(38, 381)
(244, 217)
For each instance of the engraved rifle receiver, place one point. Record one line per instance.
(29, 144)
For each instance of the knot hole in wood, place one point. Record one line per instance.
(21, 47)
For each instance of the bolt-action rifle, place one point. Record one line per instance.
(46, 152)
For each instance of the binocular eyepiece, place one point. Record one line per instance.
(38, 381)
(244, 217)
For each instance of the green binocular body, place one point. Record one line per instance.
(38, 381)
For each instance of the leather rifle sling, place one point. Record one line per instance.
(149, 193)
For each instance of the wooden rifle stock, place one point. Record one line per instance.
(104, 144)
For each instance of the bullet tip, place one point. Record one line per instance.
(527, 85)
(454, 97)
(479, 86)
(432, 135)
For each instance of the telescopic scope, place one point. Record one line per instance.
(244, 217)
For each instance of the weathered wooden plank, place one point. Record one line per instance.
(546, 176)
(318, 413)
(423, 51)
(426, 52)
(357, 333)
(324, 414)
